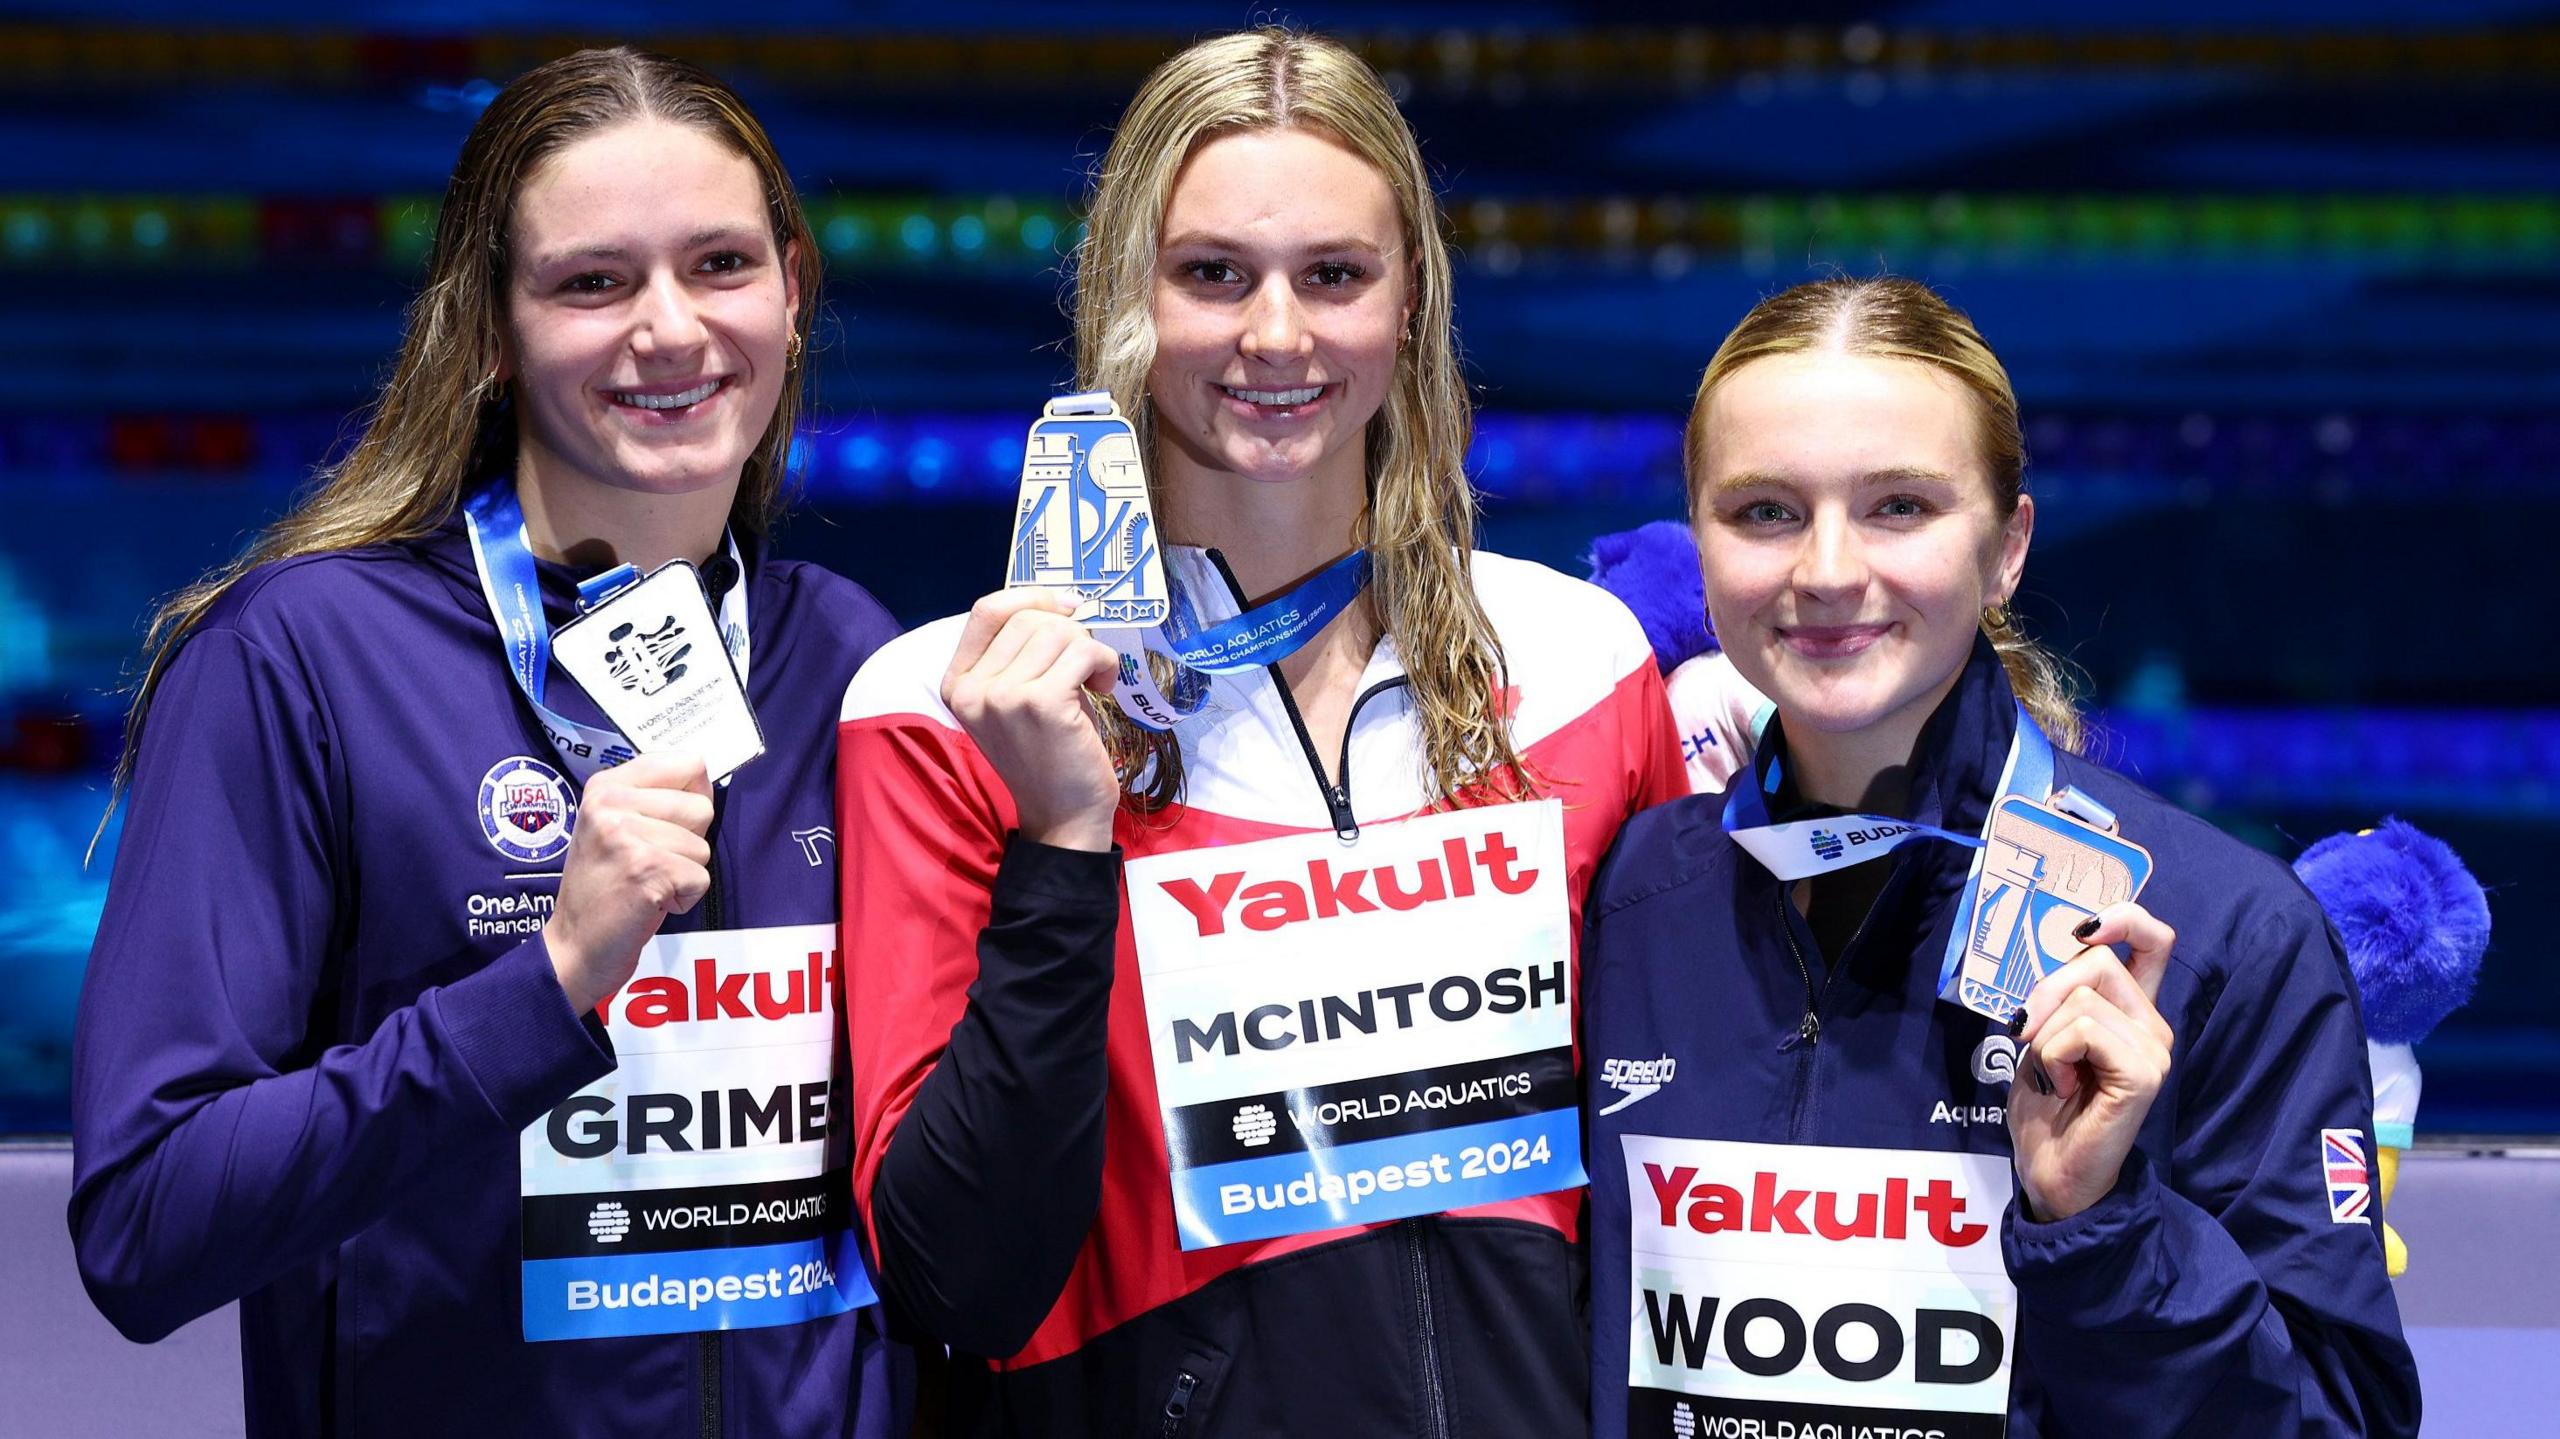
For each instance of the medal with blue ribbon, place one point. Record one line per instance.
(1083, 522)
(503, 557)
(2052, 860)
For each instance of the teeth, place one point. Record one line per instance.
(694, 396)
(1277, 397)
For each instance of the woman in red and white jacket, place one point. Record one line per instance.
(1221, 1079)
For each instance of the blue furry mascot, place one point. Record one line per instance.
(2415, 924)
(1653, 569)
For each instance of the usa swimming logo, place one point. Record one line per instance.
(526, 810)
(2350, 1182)
(1827, 844)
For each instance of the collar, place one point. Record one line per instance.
(1958, 761)
(448, 548)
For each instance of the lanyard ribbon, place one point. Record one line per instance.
(504, 558)
(1801, 849)
(1264, 635)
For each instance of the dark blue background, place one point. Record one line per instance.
(2279, 293)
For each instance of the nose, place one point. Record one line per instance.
(1830, 565)
(1275, 328)
(666, 321)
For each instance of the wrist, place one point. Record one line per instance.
(569, 968)
(1088, 832)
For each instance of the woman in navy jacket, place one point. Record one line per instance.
(493, 1082)
(2136, 1203)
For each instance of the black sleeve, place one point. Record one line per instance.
(991, 1180)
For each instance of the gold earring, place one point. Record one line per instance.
(793, 353)
(1997, 616)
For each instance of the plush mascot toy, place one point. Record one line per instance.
(1654, 570)
(2414, 920)
(2415, 924)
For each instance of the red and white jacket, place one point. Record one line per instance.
(1009, 1157)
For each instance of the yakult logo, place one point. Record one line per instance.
(1768, 1208)
(713, 994)
(1325, 892)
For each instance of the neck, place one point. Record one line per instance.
(589, 526)
(1866, 769)
(1867, 772)
(1272, 534)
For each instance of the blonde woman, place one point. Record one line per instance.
(1826, 1195)
(1269, 1128)
(411, 1025)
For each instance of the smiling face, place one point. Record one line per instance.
(1850, 537)
(648, 317)
(1282, 289)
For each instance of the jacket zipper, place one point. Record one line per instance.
(709, 1348)
(1434, 1397)
(1337, 795)
(1808, 1033)
(1177, 1407)
(1337, 799)
(1809, 1029)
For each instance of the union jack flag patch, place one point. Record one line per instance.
(2350, 1182)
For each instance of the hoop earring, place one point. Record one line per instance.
(1997, 617)
(791, 353)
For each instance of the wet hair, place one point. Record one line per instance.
(443, 420)
(1418, 524)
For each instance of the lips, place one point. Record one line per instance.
(1831, 642)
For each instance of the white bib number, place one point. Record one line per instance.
(701, 1185)
(1847, 1291)
(1345, 1034)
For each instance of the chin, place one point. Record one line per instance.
(1845, 705)
(1270, 465)
(667, 475)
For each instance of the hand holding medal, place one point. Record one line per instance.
(640, 852)
(1017, 685)
(2097, 1054)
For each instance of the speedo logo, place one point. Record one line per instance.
(1712, 1208)
(1636, 1078)
(1326, 893)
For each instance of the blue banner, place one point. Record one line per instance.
(1381, 1179)
(688, 1291)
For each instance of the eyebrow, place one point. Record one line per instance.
(1203, 240)
(732, 233)
(1899, 474)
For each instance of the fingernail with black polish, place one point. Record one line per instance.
(2018, 1022)
(2036, 1075)
(2085, 928)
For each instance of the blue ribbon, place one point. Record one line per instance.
(1264, 635)
(1273, 630)
(1800, 849)
(494, 517)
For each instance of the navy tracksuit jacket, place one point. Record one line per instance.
(2217, 1290)
(305, 1049)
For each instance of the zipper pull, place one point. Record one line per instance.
(1810, 1031)
(1178, 1407)
(1345, 828)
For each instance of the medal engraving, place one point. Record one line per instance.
(2043, 872)
(1083, 521)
